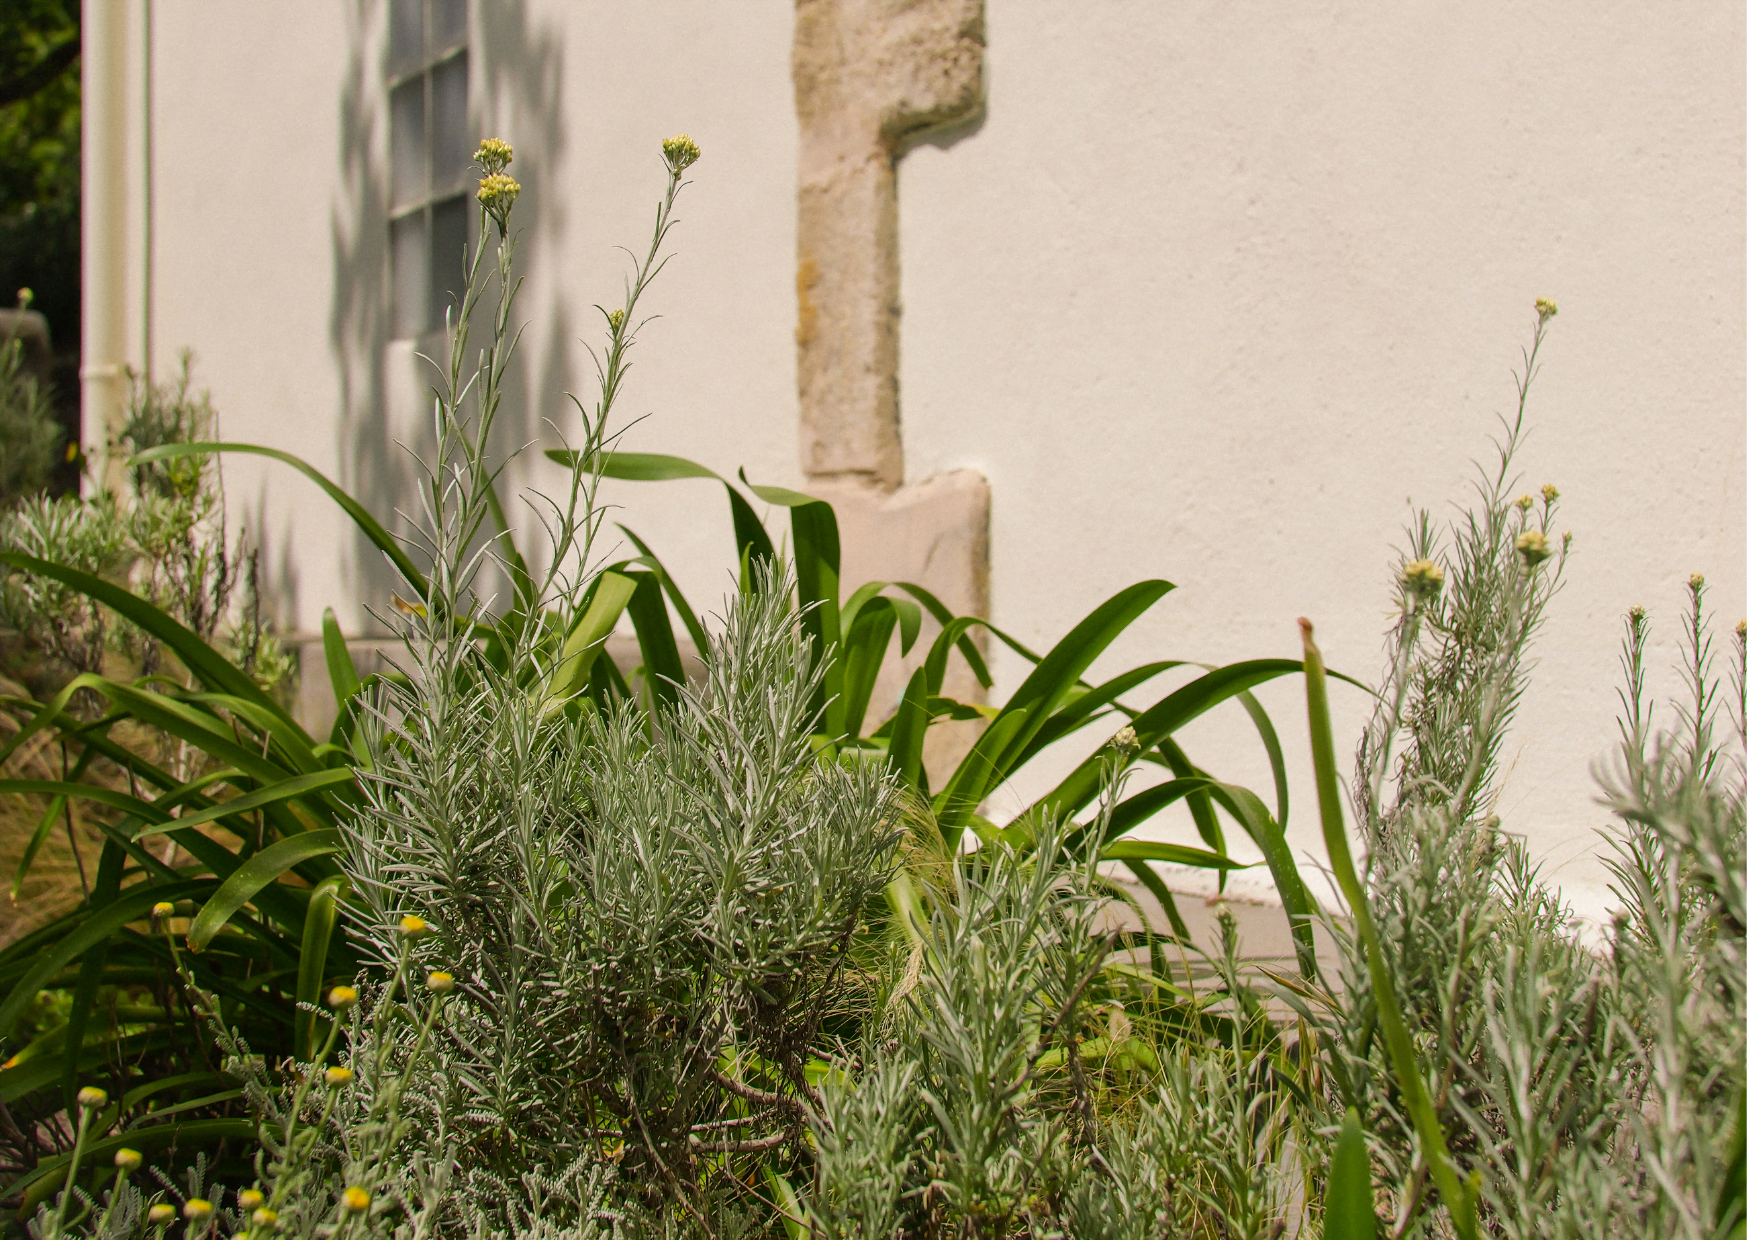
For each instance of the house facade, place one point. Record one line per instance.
(1049, 297)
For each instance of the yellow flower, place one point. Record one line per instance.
(264, 1217)
(1545, 309)
(680, 152)
(1423, 576)
(1525, 502)
(355, 1199)
(128, 1160)
(162, 909)
(1126, 740)
(161, 1213)
(497, 194)
(440, 982)
(1550, 493)
(197, 1209)
(1742, 628)
(494, 155)
(415, 927)
(342, 997)
(1697, 582)
(250, 1198)
(1532, 545)
(338, 1076)
(25, 297)
(91, 1098)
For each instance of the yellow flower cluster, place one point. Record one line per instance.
(680, 152)
(1532, 545)
(1546, 309)
(494, 155)
(497, 194)
(1423, 577)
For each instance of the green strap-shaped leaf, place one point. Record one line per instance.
(103, 893)
(865, 643)
(1459, 1194)
(130, 905)
(904, 754)
(688, 617)
(312, 964)
(943, 617)
(1164, 718)
(259, 870)
(607, 600)
(213, 670)
(1172, 854)
(371, 528)
(1077, 712)
(662, 670)
(295, 788)
(633, 466)
(1051, 682)
(976, 774)
(1348, 1212)
(342, 672)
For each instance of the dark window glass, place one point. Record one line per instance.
(429, 157)
(450, 149)
(408, 180)
(409, 254)
(406, 33)
(448, 24)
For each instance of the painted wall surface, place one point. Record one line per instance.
(1212, 292)
(1218, 290)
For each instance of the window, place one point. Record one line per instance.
(429, 153)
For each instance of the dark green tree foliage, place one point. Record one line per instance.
(39, 159)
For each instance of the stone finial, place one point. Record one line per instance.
(868, 74)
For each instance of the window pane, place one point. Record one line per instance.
(448, 24)
(408, 254)
(448, 257)
(406, 34)
(450, 149)
(406, 137)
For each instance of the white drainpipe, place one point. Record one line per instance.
(103, 87)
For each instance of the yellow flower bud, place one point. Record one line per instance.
(128, 1160)
(440, 982)
(1545, 309)
(264, 1217)
(497, 194)
(338, 1076)
(355, 1199)
(250, 1198)
(342, 997)
(494, 155)
(1550, 493)
(197, 1209)
(1532, 545)
(616, 320)
(680, 152)
(1697, 582)
(162, 909)
(91, 1098)
(161, 1213)
(415, 927)
(1423, 576)
(1126, 740)
(1525, 503)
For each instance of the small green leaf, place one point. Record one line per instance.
(1348, 1212)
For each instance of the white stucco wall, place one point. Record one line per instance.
(1210, 294)
(1218, 289)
